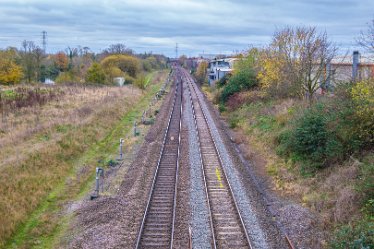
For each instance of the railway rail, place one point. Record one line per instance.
(227, 227)
(157, 226)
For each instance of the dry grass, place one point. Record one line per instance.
(331, 193)
(40, 143)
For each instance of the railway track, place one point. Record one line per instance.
(228, 229)
(157, 227)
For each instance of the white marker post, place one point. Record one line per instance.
(121, 140)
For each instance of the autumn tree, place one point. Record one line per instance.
(272, 78)
(61, 61)
(127, 64)
(10, 71)
(302, 55)
(201, 72)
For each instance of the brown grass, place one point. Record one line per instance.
(39, 143)
(331, 193)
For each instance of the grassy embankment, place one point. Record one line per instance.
(50, 151)
(312, 156)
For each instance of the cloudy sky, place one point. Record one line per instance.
(209, 26)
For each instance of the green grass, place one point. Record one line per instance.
(45, 224)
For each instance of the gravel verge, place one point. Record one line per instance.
(114, 221)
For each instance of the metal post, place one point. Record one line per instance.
(135, 132)
(99, 172)
(121, 140)
(143, 117)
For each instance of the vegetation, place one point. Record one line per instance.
(95, 74)
(60, 142)
(10, 71)
(201, 72)
(31, 64)
(310, 144)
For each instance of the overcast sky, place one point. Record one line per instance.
(210, 26)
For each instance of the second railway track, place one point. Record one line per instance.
(228, 229)
(157, 227)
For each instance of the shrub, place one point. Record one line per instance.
(363, 101)
(66, 77)
(141, 81)
(95, 74)
(310, 139)
(242, 80)
(224, 80)
(126, 63)
(356, 236)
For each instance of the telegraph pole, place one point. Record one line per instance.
(44, 33)
(176, 51)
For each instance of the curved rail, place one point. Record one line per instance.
(156, 237)
(189, 80)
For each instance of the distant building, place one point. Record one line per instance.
(48, 81)
(218, 68)
(120, 81)
(356, 67)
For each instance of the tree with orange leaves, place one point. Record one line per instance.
(61, 61)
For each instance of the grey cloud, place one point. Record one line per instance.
(211, 25)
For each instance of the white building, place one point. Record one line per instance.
(218, 68)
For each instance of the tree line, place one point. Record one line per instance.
(30, 64)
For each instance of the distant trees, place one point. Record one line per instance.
(75, 64)
(118, 48)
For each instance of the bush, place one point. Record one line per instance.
(311, 140)
(242, 80)
(95, 74)
(355, 236)
(126, 63)
(363, 100)
(141, 81)
(224, 80)
(66, 77)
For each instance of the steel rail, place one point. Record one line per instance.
(221, 164)
(203, 171)
(137, 245)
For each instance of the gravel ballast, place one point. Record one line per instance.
(245, 204)
(200, 214)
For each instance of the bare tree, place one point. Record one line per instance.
(28, 60)
(366, 38)
(306, 54)
(118, 48)
(38, 56)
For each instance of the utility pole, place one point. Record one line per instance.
(44, 33)
(176, 51)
